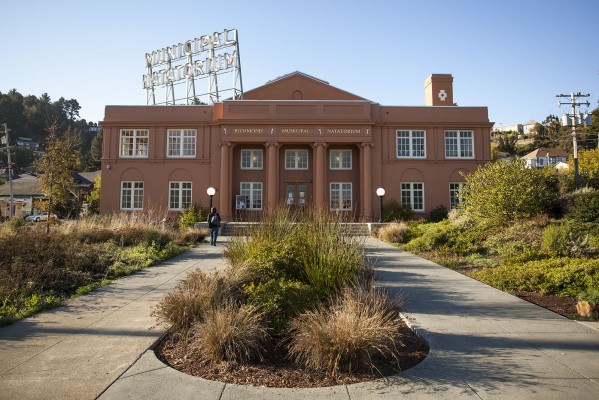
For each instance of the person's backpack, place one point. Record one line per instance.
(215, 220)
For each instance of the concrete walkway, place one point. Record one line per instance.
(485, 344)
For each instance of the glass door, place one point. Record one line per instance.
(296, 193)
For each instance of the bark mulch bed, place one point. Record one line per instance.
(278, 371)
(565, 306)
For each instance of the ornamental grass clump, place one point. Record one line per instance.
(331, 258)
(348, 333)
(193, 299)
(229, 332)
(396, 232)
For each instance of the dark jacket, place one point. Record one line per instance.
(210, 224)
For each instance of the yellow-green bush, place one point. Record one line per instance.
(559, 276)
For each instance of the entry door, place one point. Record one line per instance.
(297, 193)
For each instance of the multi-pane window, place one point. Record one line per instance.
(132, 195)
(253, 191)
(296, 159)
(341, 196)
(179, 195)
(456, 190)
(411, 144)
(412, 194)
(340, 159)
(251, 159)
(181, 143)
(459, 144)
(134, 143)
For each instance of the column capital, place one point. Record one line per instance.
(320, 144)
(269, 144)
(367, 144)
(226, 144)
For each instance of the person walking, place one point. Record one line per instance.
(213, 225)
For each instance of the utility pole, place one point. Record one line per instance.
(5, 140)
(573, 120)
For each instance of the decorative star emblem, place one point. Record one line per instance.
(442, 95)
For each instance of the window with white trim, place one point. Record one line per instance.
(253, 191)
(179, 195)
(459, 144)
(412, 194)
(340, 159)
(411, 144)
(181, 143)
(132, 195)
(251, 159)
(456, 191)
(134, 143)
(341, 196)
(296, 159)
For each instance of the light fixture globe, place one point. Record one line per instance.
(380, 192)
(211, 191)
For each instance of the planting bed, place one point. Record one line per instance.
(278, 371)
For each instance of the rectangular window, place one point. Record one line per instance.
(251, 159)
(179, 195)
(340, 159)
(412, 194)
(459, 144)
(181, 143)
(411, 144)
(253, 191)
(132, 195)
(455, 194)
(341, 196)
(134, 143)
(296, 159)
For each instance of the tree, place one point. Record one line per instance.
(588, 166)
(503, 191)
(93, 198)
(57, 166)
(507, 143)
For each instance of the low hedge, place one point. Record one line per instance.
(559, 276)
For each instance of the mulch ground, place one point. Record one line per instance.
(278, 371)
(565, 306)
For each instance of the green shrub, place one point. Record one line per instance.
(154, 238)
(590, 295)
(281, 299)
(190, 237)
(502, 192)
(192, 214)
(14, 223)
(559, 276)
(393, 211)
(438, 214)
(582, 205)
(438, 236)
(563, 241)
(347, 333)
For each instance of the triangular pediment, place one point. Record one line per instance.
(298, 86)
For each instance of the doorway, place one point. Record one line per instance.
(296, 193)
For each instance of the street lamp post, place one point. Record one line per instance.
(380, 192)
(211, 192)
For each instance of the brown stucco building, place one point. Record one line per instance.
(295, 140)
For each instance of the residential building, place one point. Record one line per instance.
(296, 140)
(544, 156)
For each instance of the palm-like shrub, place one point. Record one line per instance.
(347, 333)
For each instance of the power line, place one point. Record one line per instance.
(573, 120)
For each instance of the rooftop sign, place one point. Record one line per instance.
(206, 59)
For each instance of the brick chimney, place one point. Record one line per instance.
(438, 90)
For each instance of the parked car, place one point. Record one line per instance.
(39, 217)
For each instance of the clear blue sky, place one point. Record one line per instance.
(511, 56)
